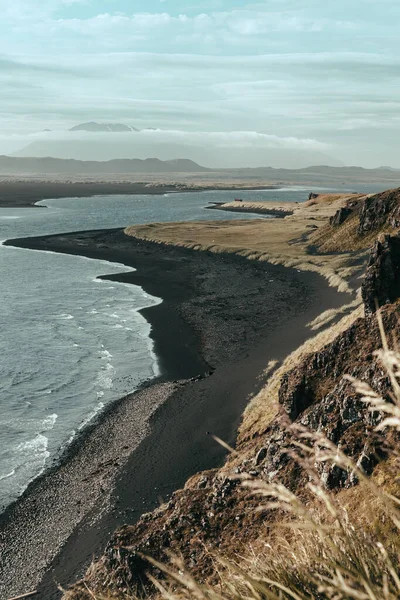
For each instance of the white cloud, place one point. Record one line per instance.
(277, 67)
(215, 139)
(228, 24)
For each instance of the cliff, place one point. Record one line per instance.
(215, 512)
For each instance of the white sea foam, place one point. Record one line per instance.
(49, 422)
(36, 447)
(105, 377)
(7, 475)
(91, 416)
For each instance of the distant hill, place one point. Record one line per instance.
(101, 127)
(43, 166)
(322, 175)
(102, 146)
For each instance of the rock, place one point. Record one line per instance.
(261, 455)
(340, 216)
(382, 279)
(380, 210)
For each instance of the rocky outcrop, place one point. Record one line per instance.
(340, 216)
(317, 395)
(380, 211)
(382, 279)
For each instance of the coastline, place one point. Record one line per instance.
(235, 337)
(24, 193)
(249, 207)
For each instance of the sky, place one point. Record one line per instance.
(308, 75)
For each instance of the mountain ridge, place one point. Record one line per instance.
(50, 165)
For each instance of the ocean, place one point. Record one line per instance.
(71, 343)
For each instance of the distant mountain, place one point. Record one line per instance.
(113, 146)
(386, 168)
(320, 175)
(101, 127)
(46, 166)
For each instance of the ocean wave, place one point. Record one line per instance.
(105, 377)
(7, 475)
(36, 447)
(49, 422)
(91, 415)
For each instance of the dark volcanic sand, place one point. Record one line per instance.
(219, 312)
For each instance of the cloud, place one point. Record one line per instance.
(276, 67)
(217, 139)
(213, 27)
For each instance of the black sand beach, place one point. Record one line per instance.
(221, 320)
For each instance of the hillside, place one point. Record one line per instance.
(41, 166)
(280, 439)
(192, 173)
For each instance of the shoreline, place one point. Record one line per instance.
(25, 193)
(213, 344)
(244, 208)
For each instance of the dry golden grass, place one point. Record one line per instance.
(248, 206)
(329, 315)
(345, 238)
(278, 241)
(311, 207)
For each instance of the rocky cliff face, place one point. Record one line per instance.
(356, 225)
(379, 211)
(382, 279)
(214, 512)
